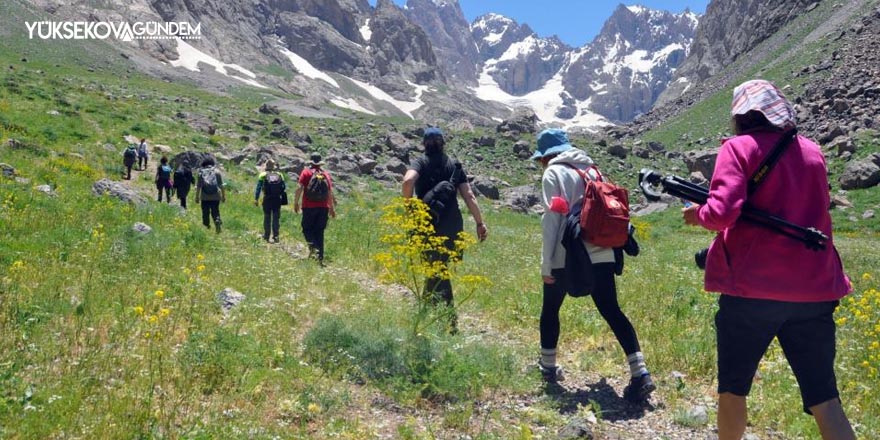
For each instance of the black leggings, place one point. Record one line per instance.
(604, 295)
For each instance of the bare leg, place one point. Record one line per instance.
(731, 416)
(832, 421)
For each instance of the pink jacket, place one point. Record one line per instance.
(750, 261)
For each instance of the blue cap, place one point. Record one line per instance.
(432, 132)
(551, 141)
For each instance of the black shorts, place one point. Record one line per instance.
(745, 328)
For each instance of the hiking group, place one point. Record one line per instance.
(586, 233)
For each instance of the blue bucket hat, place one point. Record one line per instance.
(432, 132)
(551, 141)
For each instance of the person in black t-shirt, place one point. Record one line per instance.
(436, 179)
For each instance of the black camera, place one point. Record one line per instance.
(700, 258)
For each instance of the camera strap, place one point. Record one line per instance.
(771, 159)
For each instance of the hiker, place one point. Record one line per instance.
(271, 184)
(764, 295)
(210, 193)
(183, 181)
(128, 158)
(318, 202)
(142, 154)
(424, 178)
(563, 192)
(163, 179)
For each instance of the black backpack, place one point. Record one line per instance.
(318, 189)
(180, 177)
(130, 153)
(273, 184)
(164, 173)
(209, 181)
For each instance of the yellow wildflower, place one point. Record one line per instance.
(152, 319)
(200, 268)
(160, 294)
(164, 312)
(200, 257)
(314, 408)
(138, 310)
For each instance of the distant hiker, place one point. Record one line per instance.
(210, 192)
(183, 181)
(163, 179)
(437, 179)
(771, 285)
(318, 202)
(271, 184)
(563, 183)
(142, 154)
(128, 158)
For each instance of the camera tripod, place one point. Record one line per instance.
(653, 184)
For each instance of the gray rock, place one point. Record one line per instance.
(524, 120)
(229, 298)
(859, 175)
(696, 416)
(644, 153)
(191, 159)
(522, 149)
(7, 170)
(398, 145)
(141, 228)
(111, 148)
(869, 214)
(840, 202)
(117, 190)
(485, 141)
(524, 199)
(656, 146)
(267, 109)
(46, 189)
(396, 166)
(576, 429)
(618, 150)
(829, 136)
(650, 208)
(486, 187)
(366, 165)
(698, 178)
(702, 161)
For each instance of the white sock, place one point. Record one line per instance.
(548, 357)
(637, 365)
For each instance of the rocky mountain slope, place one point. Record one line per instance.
(421, 61)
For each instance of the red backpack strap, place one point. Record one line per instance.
(578, 170)
(598, 173)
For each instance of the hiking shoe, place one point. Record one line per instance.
(639, 389)
(551, 374)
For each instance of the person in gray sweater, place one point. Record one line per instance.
(563, 192)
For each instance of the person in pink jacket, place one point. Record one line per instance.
(771, 285)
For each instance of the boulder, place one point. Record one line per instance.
(486, 187)
(118, 190)
(524, 199)
(523, 120)
(522, 150)
(656, 146)
(229, 298)
(267, 109)
(7, 170)
(191, 159)
(485, 141)
(366, 165)
(702, 161)
(860, 174)
(618, 150)
(141, 228)
(396, 166)
(46, 189)
(398, 145)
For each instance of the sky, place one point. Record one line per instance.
(576, 22)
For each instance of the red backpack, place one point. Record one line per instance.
(605, 213)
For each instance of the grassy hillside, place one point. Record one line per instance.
(110, 334)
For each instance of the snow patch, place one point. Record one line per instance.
(189, 58)
(366, 32)
(351, 104)
(544, 102)
(305, 68)
(520, 49)
(407, 107)
(636, 9)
